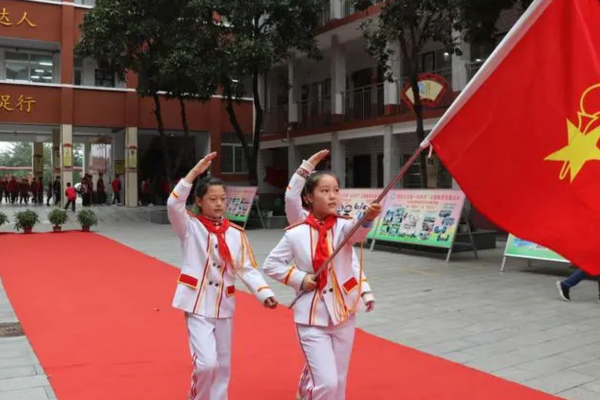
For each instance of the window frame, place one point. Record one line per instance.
(29, 53)
(234, 170)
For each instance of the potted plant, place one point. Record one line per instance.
(3, 218)
(26, 220)
(87, 219)
(57, 218)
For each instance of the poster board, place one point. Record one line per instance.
(353, 201)
(239, 203)
(518, 248)
(421, 217)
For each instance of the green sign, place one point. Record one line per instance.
(421, 217)
(516, 247)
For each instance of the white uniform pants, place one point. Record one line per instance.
(327, 352)
(210, 345)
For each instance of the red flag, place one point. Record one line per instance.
(522, 138)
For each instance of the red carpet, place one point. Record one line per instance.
(98, 315)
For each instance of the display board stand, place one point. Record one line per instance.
(517, 248)
(262, 221)
(463, 223)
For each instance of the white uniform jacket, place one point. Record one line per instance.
(205, 287)
(342, 295)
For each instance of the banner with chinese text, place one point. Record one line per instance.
(352, 201)
(421, 217)
(239, 202)
(518, 248)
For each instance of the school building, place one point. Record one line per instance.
(47, 95)
(343, 103)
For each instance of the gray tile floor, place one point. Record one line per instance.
(511, 325)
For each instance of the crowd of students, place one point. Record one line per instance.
(14, 190)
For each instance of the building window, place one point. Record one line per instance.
(77, 72)
(412, 179)
(28, 66)
(233, 158)
(104, 78)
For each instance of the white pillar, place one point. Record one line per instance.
(294, 89)
(38, 159)
(55, 153)
(391, 90)
(335, 9)
(131, 164)
(338, 76)
(118, 156)
(202, 145)
(87, 157)
(338, 158)
(391, 155)
(66, 159)
(460, 76)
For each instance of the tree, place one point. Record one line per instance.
(150, 39)
(413, 23)
(255, 36)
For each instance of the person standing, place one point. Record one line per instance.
(56, 189)
(13, 188)
(325, 315)
(35, 188)
(3, 184)
(50, 191)
(41, 190)
(24, 191)
(101, 190)
(116, 187)
(71, 195)
(215, 253)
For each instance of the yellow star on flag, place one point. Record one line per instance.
(581, 149)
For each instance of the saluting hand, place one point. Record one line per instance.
(203, 164)
(201, 167)
(309, 283)
(318, 157)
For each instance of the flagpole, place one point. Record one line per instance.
(363, 219)
(489, 66)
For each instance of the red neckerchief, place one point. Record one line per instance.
(322, 249)
(218, 228)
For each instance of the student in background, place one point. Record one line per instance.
(71, 195)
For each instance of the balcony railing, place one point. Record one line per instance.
(315, 113)
(473, 68)
(275, 120)
(363, 103)
(348, 8)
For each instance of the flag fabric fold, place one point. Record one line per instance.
(522, 139)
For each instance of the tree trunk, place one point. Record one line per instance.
(252, 175)
(163, 136)
(258, 124)
(418, 109)
(184, 151)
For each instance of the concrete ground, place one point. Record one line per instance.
(511, 325)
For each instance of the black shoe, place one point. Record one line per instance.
(563, 291)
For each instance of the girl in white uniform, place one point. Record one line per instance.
(215, 251)
(325, 316)
(296, 212)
